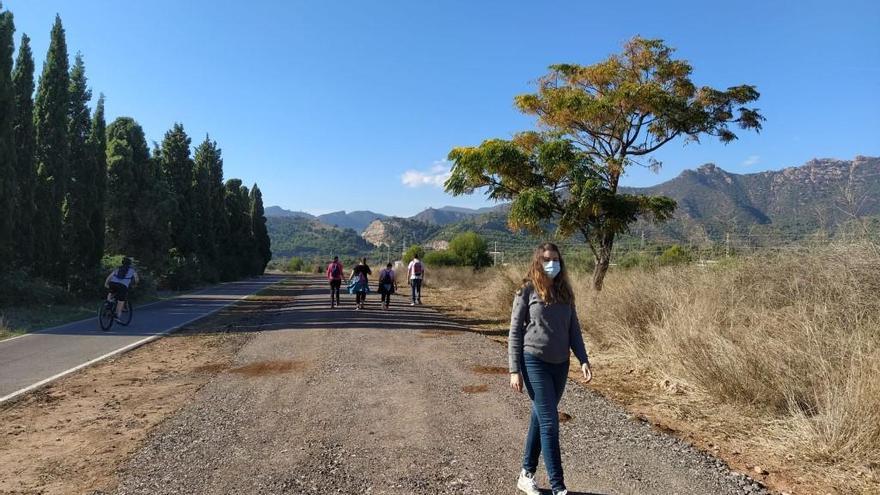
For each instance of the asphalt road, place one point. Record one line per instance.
(30, 360)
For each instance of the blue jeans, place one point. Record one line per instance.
(416, 284)
(545, 383)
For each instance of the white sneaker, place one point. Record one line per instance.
(526, 483)
(563, 492)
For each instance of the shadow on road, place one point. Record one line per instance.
(305, 304)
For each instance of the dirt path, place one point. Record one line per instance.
(340, 401)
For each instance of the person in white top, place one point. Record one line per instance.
(119, 281)
(415, 273)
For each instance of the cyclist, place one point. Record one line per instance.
(119, 281)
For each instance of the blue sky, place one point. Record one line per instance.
(354, 105)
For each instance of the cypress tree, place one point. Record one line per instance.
(98, 146)
(179, 171)
(50, 123)
(79, 239)
(7, 142)
(260, 232)
(138, 217)
(237, 244)
(209, 208)
(26, 173)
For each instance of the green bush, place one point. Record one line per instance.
(183, 272)
(675, 255)
(295, 264)
(634, 259)
(19, 288)
(442, 258)
(471, 249)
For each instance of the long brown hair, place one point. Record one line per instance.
(550, 290)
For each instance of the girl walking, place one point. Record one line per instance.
(360, 283)
(387, 285)
(543, 327)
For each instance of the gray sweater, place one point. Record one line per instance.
(546, 331)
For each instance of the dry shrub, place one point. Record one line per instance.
(796, 336)
(501, 290)
(454, 276)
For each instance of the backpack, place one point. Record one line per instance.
(417, 269)
(122, 272)
(386, 277)
(334, 270)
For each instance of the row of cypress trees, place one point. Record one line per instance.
(73, 188)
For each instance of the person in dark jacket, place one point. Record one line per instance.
(543, 328)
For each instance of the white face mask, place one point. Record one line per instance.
(552, 268)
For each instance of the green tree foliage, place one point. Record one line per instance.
(442, 258)
(179, 170)
(26, 173)
(295, 264)
(7, 143)
(260, 232)
(98, 146)
(471, 249)
(50, 129)
(139, 203)
(239, 244)
(209, 207)
(79, 240)
(601, 119)
(414, 251)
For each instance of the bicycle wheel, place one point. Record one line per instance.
(106, 315)
(127, 313)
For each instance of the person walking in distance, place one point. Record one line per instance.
(543, 327)
(415, 274)
(359, 283)
(334, 275)
(387, 285)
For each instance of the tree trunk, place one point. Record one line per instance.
(603, 260)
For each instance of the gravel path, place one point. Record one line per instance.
(340, 401)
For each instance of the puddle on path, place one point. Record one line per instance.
(490, 370)
(263, 368)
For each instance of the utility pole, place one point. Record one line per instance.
(643, 240)
(495, 254)
(727, 245)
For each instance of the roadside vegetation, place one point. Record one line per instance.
(776, 356)
(76, 194)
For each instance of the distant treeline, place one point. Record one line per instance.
(73, 189)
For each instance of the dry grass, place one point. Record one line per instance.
(791, 342)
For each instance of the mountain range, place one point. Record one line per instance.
(821, 195)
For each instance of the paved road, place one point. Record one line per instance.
(404, 401)
(36, 357)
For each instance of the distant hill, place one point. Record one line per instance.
(821, 194)
(392, 231)
(451, 214)
(357, 220)
(277, 211)
(298, 236)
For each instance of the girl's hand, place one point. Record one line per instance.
(516, 382)
(588, 374)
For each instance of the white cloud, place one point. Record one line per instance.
(435, 176)
(751, 160)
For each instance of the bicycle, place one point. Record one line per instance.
(107, 313)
